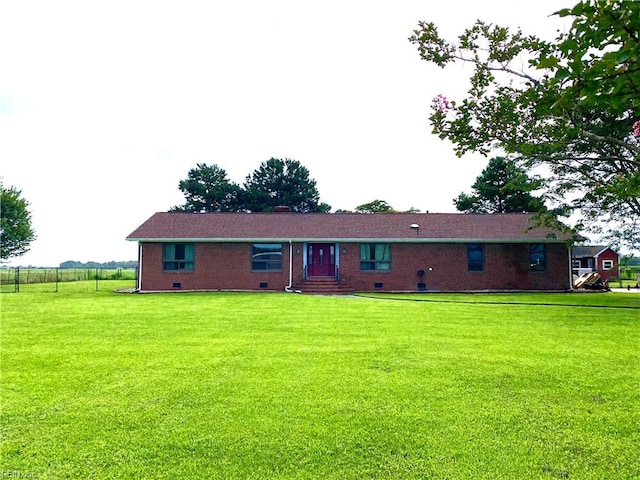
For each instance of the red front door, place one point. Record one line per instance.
(321, 259)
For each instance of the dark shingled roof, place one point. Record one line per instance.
(588, 251)
(433, 227)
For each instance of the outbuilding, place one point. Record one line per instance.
(595, 258)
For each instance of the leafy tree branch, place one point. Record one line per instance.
(570, 107)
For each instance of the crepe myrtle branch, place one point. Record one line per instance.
(569, 120)
(587, 172)
(601, 138)
(502, 47)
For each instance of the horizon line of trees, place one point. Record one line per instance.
(110, 265)
(275, 183)
(503, 187)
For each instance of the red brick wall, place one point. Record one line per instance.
(218, 266)
(608, 254)
(506, 267)
(227, 266)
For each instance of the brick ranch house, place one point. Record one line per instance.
(323, 253)
(595, 258)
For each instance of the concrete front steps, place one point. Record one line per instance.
(324, 286)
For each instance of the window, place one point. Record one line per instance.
(475, 257)
(375, 256)
(178, 256)
(266, 257)
(607, 264)
(538, 257)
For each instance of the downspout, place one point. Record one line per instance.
(139, 286)
(289, 288)
(570, 268)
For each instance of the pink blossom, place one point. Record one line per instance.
(440, 104)
(636, 128)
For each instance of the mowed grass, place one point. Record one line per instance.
(231, 385)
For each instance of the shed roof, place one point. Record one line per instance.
(397, 227)
(588, 251)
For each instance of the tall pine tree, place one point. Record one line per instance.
(502, 187)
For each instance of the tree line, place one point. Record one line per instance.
(274, 183)
(503, 187)
(106, 265)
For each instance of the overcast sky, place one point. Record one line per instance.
(106, 105)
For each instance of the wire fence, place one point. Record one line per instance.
(14, 278)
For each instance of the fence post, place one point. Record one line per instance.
(96, 279)
(16, 279)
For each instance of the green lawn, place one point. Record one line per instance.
(232, 385)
